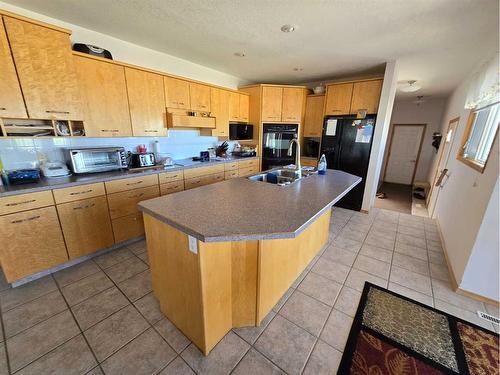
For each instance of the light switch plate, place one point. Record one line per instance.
(193, 244)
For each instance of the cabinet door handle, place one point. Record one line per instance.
(18, 203)
(137, 195)
(335, 110)
(3, 109)
(181, 103)
(135, 183)
(82, 192)
(151, 131)
(22, 220)
(84, 206)
(61, 112)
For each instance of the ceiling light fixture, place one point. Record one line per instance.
(287, 28)
(239, 54)
(410, 86)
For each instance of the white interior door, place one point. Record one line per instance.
(444, 156)
(403, 155)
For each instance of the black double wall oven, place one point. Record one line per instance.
(276, 139)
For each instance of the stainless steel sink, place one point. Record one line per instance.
(282, 176)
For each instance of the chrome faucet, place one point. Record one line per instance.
(298, 167)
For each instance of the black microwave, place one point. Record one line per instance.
(238, 132)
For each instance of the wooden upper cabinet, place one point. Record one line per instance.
(104, 91)
(338, 99)
(366, 96)
(293, 101)
(199, 96)
(45, 69)
(220, 104)
(313, 122)
(234, 106)
(146, 99)
(272, 98)
(244, 107)
(11, 99)
(176, 93)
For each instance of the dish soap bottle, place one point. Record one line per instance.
(322, 165)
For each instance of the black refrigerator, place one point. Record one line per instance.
(346, 143)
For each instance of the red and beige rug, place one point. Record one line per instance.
(394, 335)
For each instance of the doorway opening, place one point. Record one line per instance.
(396, 191)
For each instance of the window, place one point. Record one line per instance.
(479, 136)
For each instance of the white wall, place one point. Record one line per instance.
(481, 273)
(430, 112)
(381, 132)
(134, 54)
(463, 200)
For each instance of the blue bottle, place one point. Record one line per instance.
(322, 165)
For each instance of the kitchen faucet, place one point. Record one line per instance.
(298, 168)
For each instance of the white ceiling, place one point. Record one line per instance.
(438, 42)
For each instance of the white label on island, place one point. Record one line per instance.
(193, 244)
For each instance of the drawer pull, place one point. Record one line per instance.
(83, 207)
(110, 130)
(181, 103)
(82, 192)
(135, 183)
(3, 109)
(18, 203)
(137, 195)
(28, 219)
(151, 131)
(62, 112)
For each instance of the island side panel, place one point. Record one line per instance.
(175, 273)
(244, 282)
(215, 275)
(281, 261)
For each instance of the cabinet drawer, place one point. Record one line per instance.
(203, 171)
(171, 176)
(32, 241)
(75, 193)
(23, 202)
(171, 187)
(243, 172)
(230, 174)
(128, 227)
(231, 166)
(86, 226)
(249, 163)
(131, 183)
(203, 180)
(125, 202)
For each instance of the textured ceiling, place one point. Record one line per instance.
(438, 42)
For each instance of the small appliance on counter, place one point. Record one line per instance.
(204, 156)
(95, 159)
(23, 176)
(146, 159)
(54, 169)
(245, 151)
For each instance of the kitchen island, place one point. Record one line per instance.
(223, 255)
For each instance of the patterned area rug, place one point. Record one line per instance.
(394, 335)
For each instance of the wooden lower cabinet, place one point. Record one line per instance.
(127, 227)
(125, 203)
(32, 241)
(247, 171)
(86, 226)
(309, 162)
(171, 187)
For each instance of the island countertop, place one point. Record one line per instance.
(241, 209)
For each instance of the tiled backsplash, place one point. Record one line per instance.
(19, 153)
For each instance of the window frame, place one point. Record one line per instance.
(466, 136)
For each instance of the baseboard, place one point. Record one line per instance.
(454, 284)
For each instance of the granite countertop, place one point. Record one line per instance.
(242, 209)
(89, 178)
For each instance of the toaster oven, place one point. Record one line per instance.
(98, 159)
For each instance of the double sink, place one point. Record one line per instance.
(282, 176)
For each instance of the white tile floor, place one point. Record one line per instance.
(101, 317)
